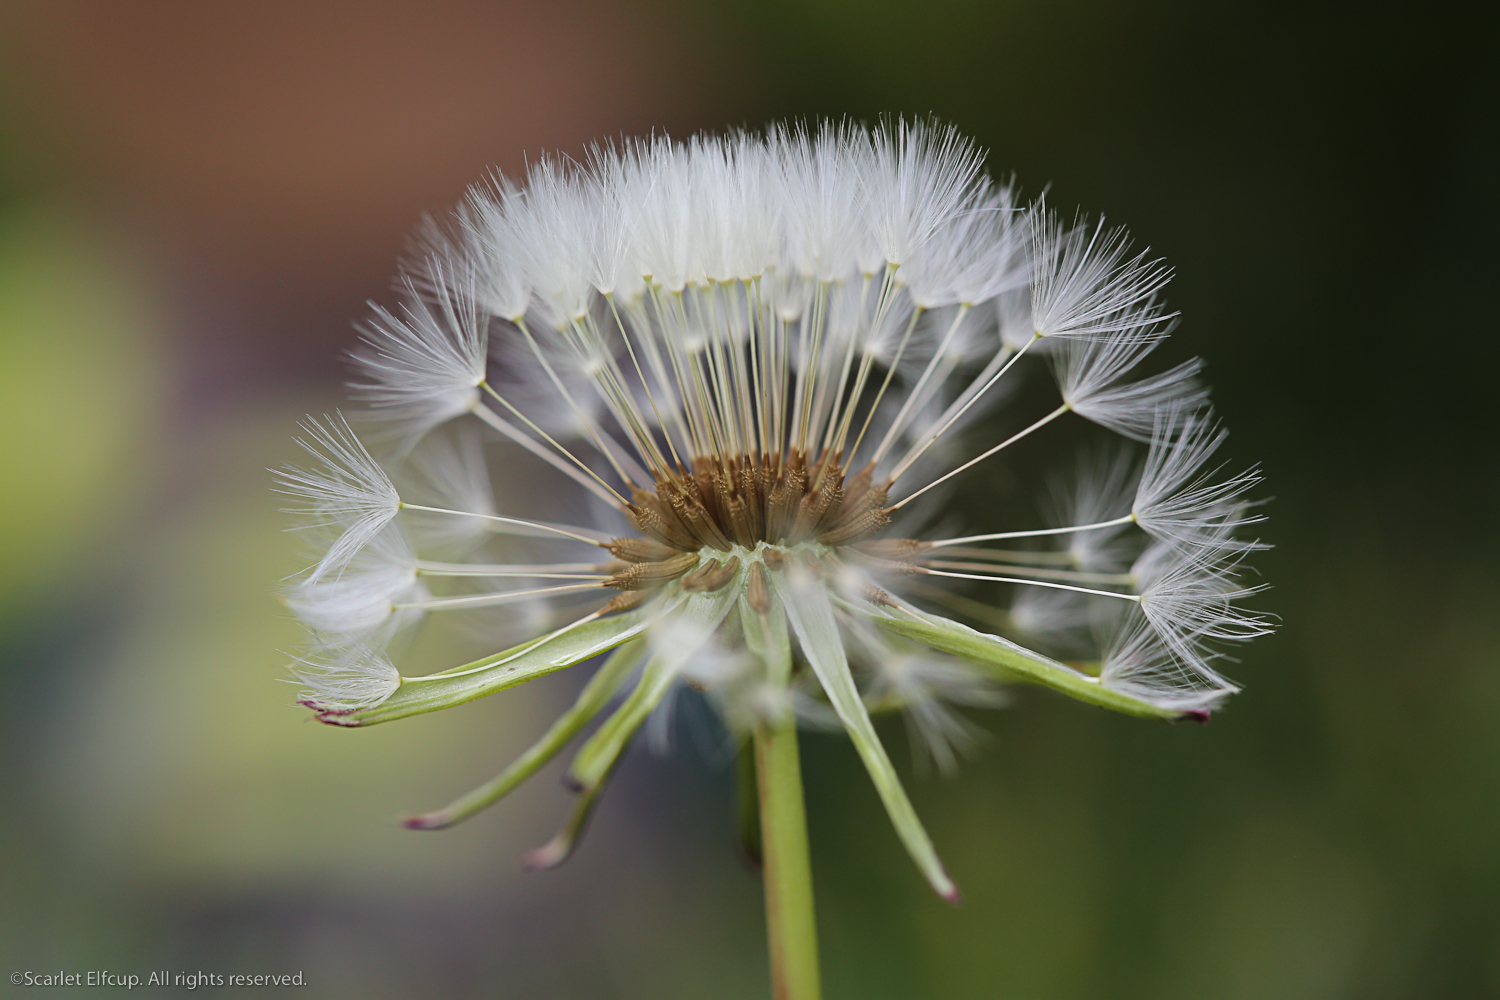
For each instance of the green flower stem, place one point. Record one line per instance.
(747, 793)
(790, 925)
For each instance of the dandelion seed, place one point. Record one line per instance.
(1090, 378)
(425, 365)
(1178, 500)
(365, 602)
(1084, 287)
(350, 492)
(343, 680)
(1137, 661)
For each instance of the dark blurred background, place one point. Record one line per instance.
(196, 199)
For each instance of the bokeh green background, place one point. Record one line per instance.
(194, 201)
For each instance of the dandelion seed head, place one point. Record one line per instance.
(741, 383)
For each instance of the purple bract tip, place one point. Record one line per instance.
(423, 823)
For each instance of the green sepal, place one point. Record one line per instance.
(598, 756)
(595, 694)
(498, 671)
(1008, 661)
(557, 850)
(812, 619)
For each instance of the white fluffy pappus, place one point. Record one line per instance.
(423, 366)
(377, 595)
(344, 679)
(347, 489)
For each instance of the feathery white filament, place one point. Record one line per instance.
(1083, 286)
(1177, 501)
(360, 604)
(1089, 376)
(346, 679)
(1099, 489)
(919, 177)
(425, 365)
(1139, 663)
(1189, 598)
(349, 491)
(488, 221)
(924, 688)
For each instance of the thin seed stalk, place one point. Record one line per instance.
(791, 928)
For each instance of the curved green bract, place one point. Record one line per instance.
(599, 754)
(497, 671)
(591, 700)
(1011, 662)
(811, 615)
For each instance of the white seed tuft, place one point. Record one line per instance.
(346, 679)
(348, 491)
(423, 367)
